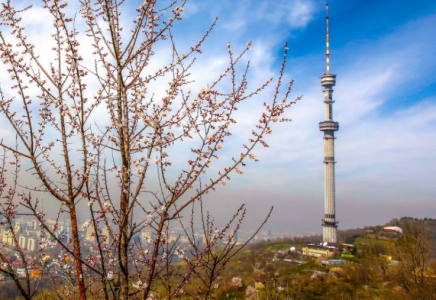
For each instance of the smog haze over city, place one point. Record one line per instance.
(383, 53)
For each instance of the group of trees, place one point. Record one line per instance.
(415, 252)
(411, 274)
(93, 127)
(400, 268)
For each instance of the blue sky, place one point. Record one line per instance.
(384, 55)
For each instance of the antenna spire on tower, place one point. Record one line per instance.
(327, 38)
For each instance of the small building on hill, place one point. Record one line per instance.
(393, 229)
(333, 262)
(320, 250)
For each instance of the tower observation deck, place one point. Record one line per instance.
(328, 126)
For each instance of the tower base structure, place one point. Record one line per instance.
(330, 232)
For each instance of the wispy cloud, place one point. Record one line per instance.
(294, 13)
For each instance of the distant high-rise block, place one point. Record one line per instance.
(22, 242)
(31, 242)
(90, 233)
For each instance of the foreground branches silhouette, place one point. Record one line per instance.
(136, 143)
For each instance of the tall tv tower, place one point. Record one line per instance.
(329, 127)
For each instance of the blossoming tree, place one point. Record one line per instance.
(100, 133)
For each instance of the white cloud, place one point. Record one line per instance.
(235, 24)
(360, 94)
(299, 13)
(294, 13)
(191, 8)
(291, 14)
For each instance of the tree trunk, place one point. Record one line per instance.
(77, 252)
(124, 268)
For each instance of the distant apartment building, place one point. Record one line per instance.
(148, 235)
(106, 236)
(31, 244)
(7, 237)
(333, 262)
(90, 233)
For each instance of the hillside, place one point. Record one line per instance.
(371, 264)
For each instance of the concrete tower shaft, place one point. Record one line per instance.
(328, 126)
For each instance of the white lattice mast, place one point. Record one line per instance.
(329, 127)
